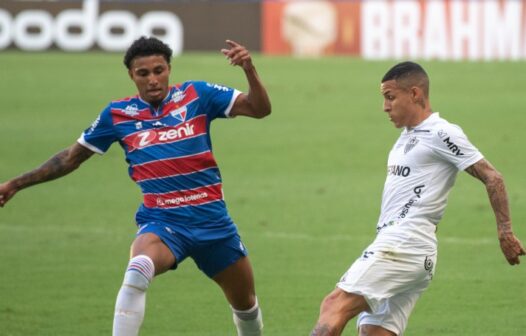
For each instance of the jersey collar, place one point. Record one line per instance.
(434, 116)
(159, 110)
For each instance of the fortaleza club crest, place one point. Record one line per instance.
(179, 113)
(410, 145)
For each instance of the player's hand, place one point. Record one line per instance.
(7, 191)
(237, 55)
(512, 248)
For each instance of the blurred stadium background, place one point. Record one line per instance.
(304, 185)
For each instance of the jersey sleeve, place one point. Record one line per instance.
(452, 145)
(101, 134)
(217, 100)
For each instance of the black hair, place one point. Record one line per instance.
(147, 46)
(408, 74)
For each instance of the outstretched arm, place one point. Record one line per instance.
(256, 103)
(57, 166)
(492, 179)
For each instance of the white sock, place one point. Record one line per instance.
(249, 322)
(131, 300)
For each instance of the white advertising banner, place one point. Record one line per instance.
(398, 29)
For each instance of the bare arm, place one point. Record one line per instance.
(57, 166)
(256, 103)
(492, 179)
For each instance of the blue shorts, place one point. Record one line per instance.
(213, 248)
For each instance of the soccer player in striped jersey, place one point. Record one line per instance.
(383, 285)
(164, 132)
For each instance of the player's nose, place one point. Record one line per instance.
(387, 106)
(153, 80)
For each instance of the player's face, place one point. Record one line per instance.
(151, 75)
(399, 104)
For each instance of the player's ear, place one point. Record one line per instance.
(416, 94)
(130, 73)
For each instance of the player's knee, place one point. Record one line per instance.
(249, 322)
(139, 273)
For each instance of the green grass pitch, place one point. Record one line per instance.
(303, 185)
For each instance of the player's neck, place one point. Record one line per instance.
(420, 118)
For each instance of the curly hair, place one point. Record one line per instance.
(147, 46)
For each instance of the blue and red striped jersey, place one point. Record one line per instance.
(169, 151)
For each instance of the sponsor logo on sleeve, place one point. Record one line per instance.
(449, 143)
(452, 147)
(93, 126)
(218, 87)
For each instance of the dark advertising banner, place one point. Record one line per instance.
(79, 25)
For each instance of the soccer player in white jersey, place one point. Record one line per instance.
(383, 285)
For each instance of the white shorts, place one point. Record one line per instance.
(391, 279)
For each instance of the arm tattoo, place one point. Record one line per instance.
(496, 189)
(321, 330)
(59, 165)
(471, 170)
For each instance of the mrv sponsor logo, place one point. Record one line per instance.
(82, 29)
(452, 147)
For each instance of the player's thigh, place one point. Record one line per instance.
(151, 245)
(343, 305)
(237, 282)
(392, 314)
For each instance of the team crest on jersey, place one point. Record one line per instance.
(179, 113)
(131, 110)
(411, 144)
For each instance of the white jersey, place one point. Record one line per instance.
(421, 169)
